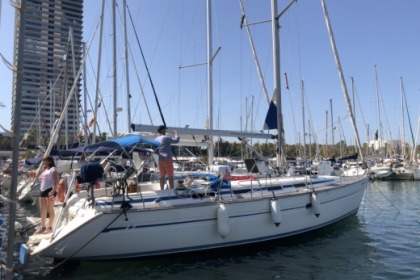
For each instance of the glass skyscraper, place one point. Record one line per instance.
(51, 59)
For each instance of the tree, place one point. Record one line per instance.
(5, 143)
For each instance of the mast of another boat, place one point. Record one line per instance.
(95, 112)
(84, 125)
(408, 117)
(332, 128)
(209, 82)
(413, 153)
(114, 62)
(379, 114)
(19, 15)
(303, 122)
(343, 81)
(126, 67)
(403, 121)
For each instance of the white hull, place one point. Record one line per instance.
(416, 173)
(176, 225)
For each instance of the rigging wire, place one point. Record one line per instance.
(147, 69)
(138, 78)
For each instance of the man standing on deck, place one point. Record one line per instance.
(166, 167)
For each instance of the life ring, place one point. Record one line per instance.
(32, 175)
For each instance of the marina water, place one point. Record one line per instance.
(382, 241)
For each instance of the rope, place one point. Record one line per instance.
(392, 204)
(147, 68)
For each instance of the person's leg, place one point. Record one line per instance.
(162, 173)
(170, 173)
(43, 210)
(162, 183)
(51, 213)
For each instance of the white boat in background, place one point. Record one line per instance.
(380, 171)
(416, 172)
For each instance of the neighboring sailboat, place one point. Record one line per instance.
(202, 214)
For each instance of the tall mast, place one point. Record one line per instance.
(95, 112)
(66, 116)
(209, 81)
(84, 124)
(303, 120)
(332, 127)
(114, 59)
(343, 81)
(276, 73)
(354, 100)
(379, 112)
(17, 102)
(326, 133)
(127, 73)
(403, 121)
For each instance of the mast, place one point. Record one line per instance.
(19, 14)
(403, 123)
(332, 127)
(343, 81)
(209, 82)
(310, 144)
(326, 134)
(114, 60)
(379, 112)
(84, 124)
(277, 88)
(95, 112)
(354, 100)
(66, 115)
(303, 120)
(126, 67)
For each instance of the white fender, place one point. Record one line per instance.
(275, 211)
(315, 204)
(223, 221)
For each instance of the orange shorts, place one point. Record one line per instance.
(166, 168)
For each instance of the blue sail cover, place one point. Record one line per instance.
(131, 140)
(110, 145)
(125, 141)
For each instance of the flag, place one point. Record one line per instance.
(92, 121)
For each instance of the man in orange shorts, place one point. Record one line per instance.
(166, 167)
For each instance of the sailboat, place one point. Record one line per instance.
(201, 214)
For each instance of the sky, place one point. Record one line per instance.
(369, 34)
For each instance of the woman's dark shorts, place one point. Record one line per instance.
(45, 193)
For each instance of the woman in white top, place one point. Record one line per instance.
(49, 182)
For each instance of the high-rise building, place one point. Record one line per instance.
(51, 59)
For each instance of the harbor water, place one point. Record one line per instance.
(382, 241)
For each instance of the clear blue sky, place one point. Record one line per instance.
(173, 33)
